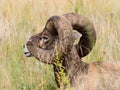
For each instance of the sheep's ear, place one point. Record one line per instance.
(76, 36)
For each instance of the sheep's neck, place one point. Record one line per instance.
(73, 67)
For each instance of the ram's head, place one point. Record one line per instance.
(59, 31)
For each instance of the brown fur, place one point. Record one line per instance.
(100, 76)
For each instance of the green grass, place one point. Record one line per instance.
(19, 19)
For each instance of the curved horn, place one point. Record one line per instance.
(86, 28)
(54, 25)
(62, 27)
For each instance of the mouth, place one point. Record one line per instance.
(26, 51)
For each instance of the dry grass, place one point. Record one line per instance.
(19, 19)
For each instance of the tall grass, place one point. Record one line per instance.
(19, 19)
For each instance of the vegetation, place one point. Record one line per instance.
(19, 19)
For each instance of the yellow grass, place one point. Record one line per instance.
(19, 19)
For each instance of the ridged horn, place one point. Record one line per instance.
(86, 28)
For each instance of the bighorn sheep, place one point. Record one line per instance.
(82, 76)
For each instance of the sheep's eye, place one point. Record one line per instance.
(45, 37)
(40, 38)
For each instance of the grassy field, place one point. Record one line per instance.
(19, 19)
